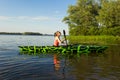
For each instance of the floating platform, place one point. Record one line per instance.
(64, 49)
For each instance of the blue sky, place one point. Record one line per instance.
(44, 16)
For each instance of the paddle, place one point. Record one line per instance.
(65, 37)
(65, 56)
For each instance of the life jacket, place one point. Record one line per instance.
(56, 43)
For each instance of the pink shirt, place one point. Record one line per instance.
(57, 41)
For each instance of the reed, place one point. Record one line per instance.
(106, 40)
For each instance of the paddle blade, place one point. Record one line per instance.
(65, 37)
(64, 32)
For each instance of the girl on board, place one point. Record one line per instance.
(57, 40)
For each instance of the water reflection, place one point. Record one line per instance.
(97, 67)
(56, 62)
(37, 66)
(104, 66)
(61, 66)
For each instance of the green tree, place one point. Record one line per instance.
(109, 14)
(91, 17)
(82, 16)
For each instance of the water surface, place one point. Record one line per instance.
(16, 66)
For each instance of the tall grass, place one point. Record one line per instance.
(94, 39)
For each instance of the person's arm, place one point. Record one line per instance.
(60, 41)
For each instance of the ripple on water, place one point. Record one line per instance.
(14, 66)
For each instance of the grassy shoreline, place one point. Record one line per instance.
(101, 40)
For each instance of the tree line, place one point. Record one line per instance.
(17, 33)
(94, 17)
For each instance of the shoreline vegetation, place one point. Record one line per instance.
(98, 40)
(94, 22)
(91, 17)
(25, 33)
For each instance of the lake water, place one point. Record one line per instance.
(16, 66)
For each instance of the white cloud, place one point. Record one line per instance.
(4, 18)
(22, 17)
(29, 18)
(41, 18)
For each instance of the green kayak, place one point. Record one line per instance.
(64, 49)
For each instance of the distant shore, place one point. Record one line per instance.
(24, 33)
